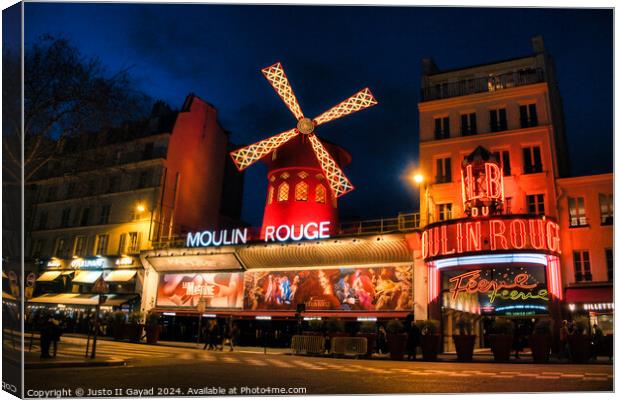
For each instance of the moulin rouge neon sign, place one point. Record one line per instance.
(470, 282)
(281, 233)
(470, 236)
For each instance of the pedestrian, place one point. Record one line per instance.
(382, 340)
(55, 333)
(597, 341)
(413, 341)
(45, 332)
(518, 340)
(564, 333)
(227, 334)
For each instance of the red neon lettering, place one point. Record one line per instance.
(517, 233)
(473, 236)
(497, 230)
(553, 236)
(444, 241)
(424, 244)
(537, 238)
(494, 183)
(459, 237)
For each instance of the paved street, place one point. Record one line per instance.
(174, 371)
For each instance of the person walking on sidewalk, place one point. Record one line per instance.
(564, 350)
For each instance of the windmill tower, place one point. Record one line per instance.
(304, 174)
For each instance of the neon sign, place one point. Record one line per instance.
(454, 238)
(281, 233)
(85, 263)
(470, 282)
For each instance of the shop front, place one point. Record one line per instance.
(65, 288)
(595, 301)
(275, 290)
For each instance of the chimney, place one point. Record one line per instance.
(538, 44)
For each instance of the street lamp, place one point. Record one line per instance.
(419, 180)
(140, 208)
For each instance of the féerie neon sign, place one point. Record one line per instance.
(281, 233)
(470, 282)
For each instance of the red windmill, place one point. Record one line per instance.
(301, 165)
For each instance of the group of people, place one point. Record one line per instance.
(216, 335)
(569, 329)
(50, 332)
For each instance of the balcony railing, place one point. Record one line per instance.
(402, 223)
(492, 83)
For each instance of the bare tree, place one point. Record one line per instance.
(65, 94)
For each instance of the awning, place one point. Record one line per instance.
(48, 276)
(67, 272)
(119, 299)
(7, 296)
(4, 275)
(87, 276)
(121, 275)
(67, 298)
(603, 294)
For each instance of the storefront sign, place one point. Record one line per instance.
(347, 289)
(202, 262)
(475, 236)
(98, 262)
(124, 261)
(516, 289)
(219, 290)
(281, 233)
(54, 263)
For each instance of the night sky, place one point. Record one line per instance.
(329, 53)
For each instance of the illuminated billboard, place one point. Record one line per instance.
(220, 290)
(386, 288)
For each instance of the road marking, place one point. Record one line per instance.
(258, 363)
(594, 378)
(572, 375)
(548, 377)
(307, 365)
(228, 359)
(280, 364)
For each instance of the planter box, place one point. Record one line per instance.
(152, 333)
(541, 348)
(430, 347)
(133, 332)
(464, 347)
(580, 347)
(396, 345)
(501, 345)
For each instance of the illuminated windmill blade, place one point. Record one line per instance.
(359, 101)
(276, 76)
(337, 181)
(248, 155)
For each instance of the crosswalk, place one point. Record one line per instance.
(76, 348)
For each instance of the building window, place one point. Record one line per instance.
(51, 193)
(79, 249)
(609, 257)
(283, 192)
(37, 250)
(144, 179)
(528, 115)
(444, 171)
(444, 212)
(581, 261)
(43, 220)
(503, 158)
(301, 191)
(320, 194)
(147, 153)
(577, 211)
(85, 217)
(65, 217)
(532, 162)
(508, 205)
(468, 124)
(62, 248)
(535, 204)
(122, 243)
(498, 120)
(71, 189)
(442, 128)
(134, 243)
(270, 195)
(113, 184)
(606, 204)
(102, 245)
(104, 217)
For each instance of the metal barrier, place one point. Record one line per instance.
(306, 344)
(349, 346)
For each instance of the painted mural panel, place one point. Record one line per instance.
(386, 288)
(220, 290)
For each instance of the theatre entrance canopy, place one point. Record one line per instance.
(341, 276)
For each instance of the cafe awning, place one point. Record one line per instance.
(48, 276)
(4, 275)
(121, 275)
(119, 299)
(67, 298)
(603, 294)
(87, 276)
(7, 296)
(67, 272)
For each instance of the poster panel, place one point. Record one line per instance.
(219, 289)
(386, 288)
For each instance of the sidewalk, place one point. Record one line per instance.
(33, 360)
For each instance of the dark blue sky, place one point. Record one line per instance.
(330, 53)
